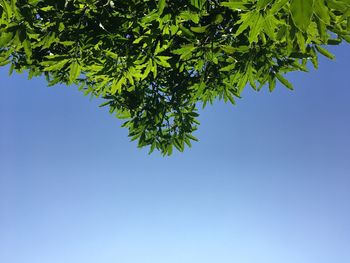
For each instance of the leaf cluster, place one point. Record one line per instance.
(155, 61)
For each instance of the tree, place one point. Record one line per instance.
(155, 61)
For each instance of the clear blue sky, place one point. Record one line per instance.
(267, 183)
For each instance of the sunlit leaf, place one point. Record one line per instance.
(74, 71)
(302, 11)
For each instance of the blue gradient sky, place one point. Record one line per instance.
(268, 182)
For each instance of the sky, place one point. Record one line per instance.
(267, 183)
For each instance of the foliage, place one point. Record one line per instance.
(155, 61)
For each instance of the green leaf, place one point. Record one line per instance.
(162, 60)
(334, 41)
(261, 4)
(255, 27)
(246, 20)
(277, 6)
(314, 58)
(117, 85)
(74, 71)
(67, 43)
(218, 19)
(251, 76)
(4, 63)
(228, 67)
(269, 26)
(190, 136)
(301, 11)
(301, 41)
(169, 149)
(179, 144)
(284, 81)
(27, 49)
(5, 38)
(242, 82)
(198, 3)
(184, 51)
(237, 5)
(187, 15)
(153, 146)
(272, 83)
(7, 8)
(325, 52)
(150, 17)
(186, 32)
(57, 65)
(337, 5)
(346, 38)
(161, 6)
(148, 69)
(198, 29)
(47, 8)
(111, 54)
(228, 49)
(321, 10)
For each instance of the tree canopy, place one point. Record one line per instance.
(154, 62)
